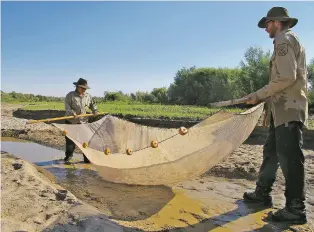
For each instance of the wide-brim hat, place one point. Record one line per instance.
(277, 14)
(81, 83)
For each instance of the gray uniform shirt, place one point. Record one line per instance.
(74, 103)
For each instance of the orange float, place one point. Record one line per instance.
(129, 151)
(183, 130)
(107, 151)
(154, 144)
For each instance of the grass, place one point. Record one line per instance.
(141, 110)
(138, 109)
(311, 124)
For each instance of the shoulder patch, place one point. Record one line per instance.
(282, 49)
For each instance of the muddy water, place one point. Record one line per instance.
(203, 204)
(86, 184)
(32, 152)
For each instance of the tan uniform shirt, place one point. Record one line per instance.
(287, 88)
(74, 103)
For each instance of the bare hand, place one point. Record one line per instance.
(251, 99)
(75, 115)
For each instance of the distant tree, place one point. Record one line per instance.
(160, 94)
(310, 69)
(255, 70)
(116, 96)
(200, 86)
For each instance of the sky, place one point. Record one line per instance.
(130, 46)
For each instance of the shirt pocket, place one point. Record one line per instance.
(76, 103)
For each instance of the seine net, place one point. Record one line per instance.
(171, 158)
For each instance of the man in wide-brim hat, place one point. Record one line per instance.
(279, 14)
(287, 114)
(77, 102)
(81, 83)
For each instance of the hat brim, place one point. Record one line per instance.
(82, 86)
(262, 22)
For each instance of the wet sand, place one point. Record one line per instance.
(203, 204)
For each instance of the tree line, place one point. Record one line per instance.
(25, 97)
(197, 86)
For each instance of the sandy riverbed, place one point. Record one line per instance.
(148, 211)
(32, 202)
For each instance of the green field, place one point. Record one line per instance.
(138, 109)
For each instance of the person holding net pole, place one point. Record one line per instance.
(76, 103)
(287, 113)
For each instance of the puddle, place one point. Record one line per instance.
(118, 201)
(48, 158)
(33, 152)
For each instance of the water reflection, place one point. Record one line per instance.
(33, 152)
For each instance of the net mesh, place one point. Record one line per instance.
(176, 158)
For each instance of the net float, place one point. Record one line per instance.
(154, 144)
(85, 144)
(107, 151)
(183, 130)
(129, 151)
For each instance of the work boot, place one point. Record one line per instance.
(290, 215)
(67, 158)
(260, 195)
